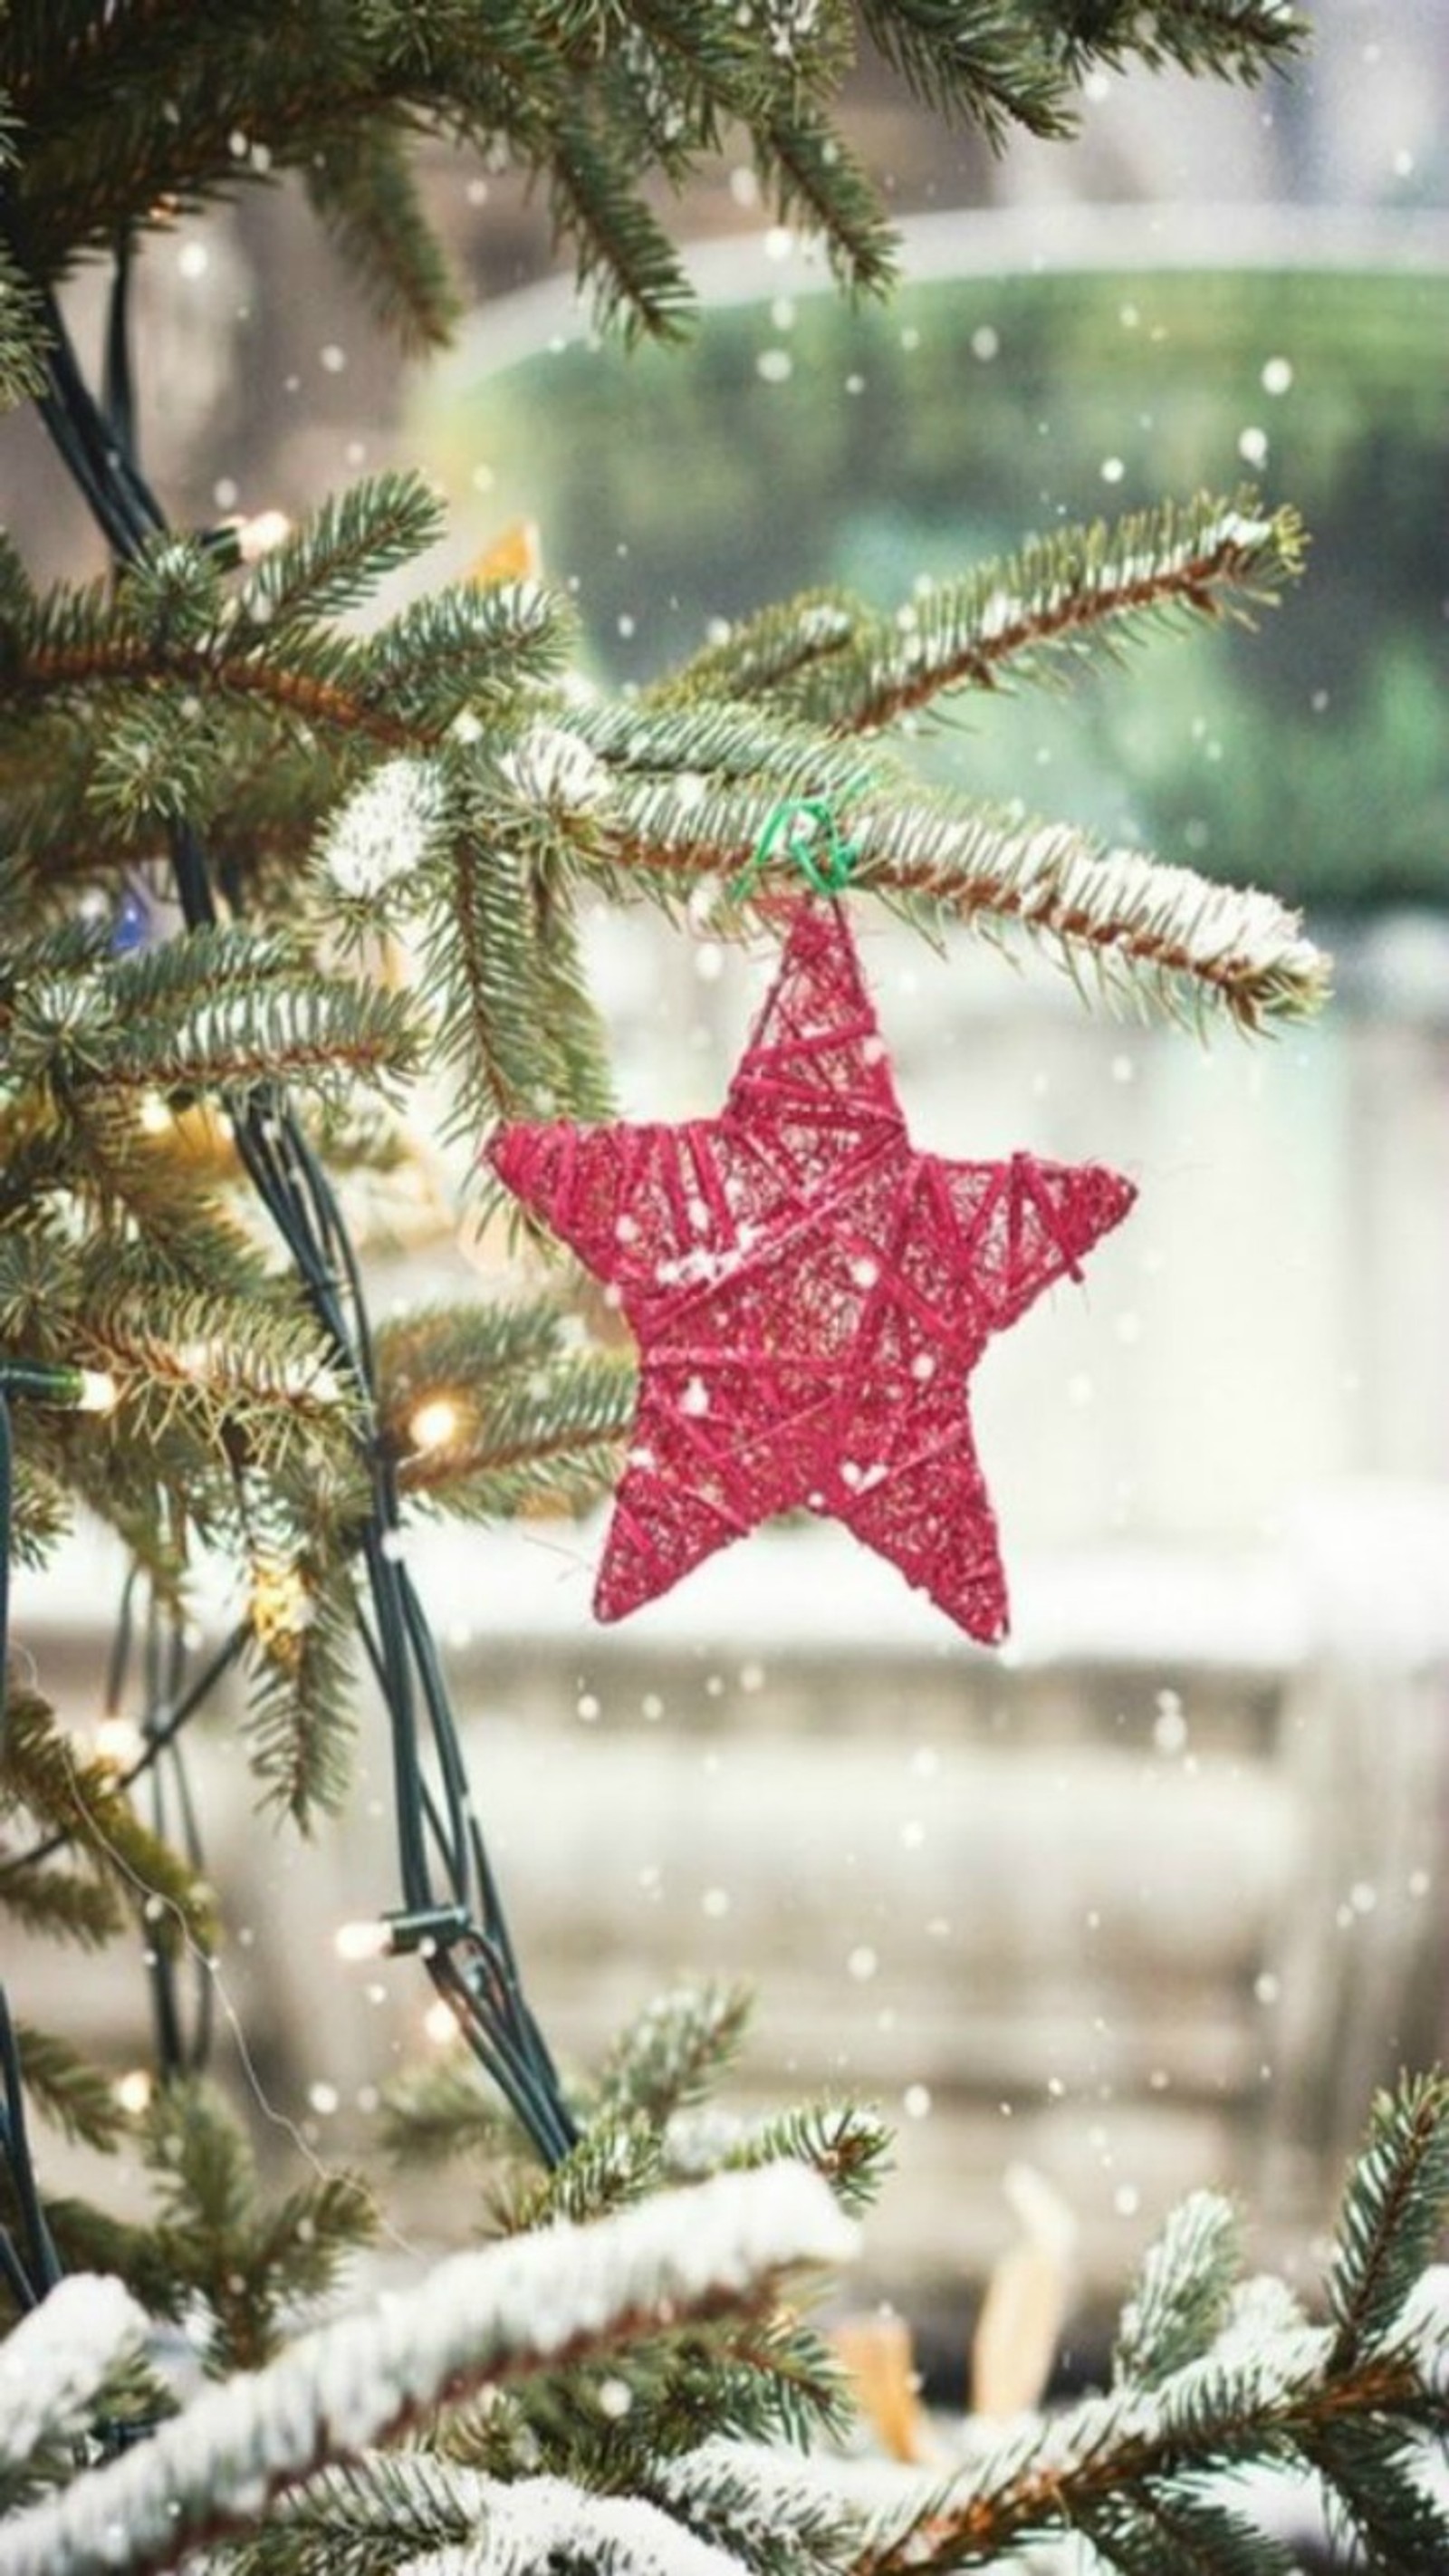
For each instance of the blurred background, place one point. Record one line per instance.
(1157, 1896)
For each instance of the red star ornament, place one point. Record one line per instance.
(809, 1294)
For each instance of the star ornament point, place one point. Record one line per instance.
(809, 1293)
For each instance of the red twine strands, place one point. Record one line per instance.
(809, 1294)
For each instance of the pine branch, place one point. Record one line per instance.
(235, 1032)
(366, 2517)
(1141, 2470)
(174, 677)
(1095, 2464)
(1182, 2294)
(22, 335)
(1062, 600)
(1152, 934)
(53, 2366)
(482, 984)
(674, 2053)
(677, 732)
(361, 184)
(233, 1379)
(580, 1041)
(1001, 64)
(547, 1440)
(117, 1864)
(543, 2522)
(154, 106)
(465, 650)
(1396, 2188)
(59, 1904)
(685, 70)
(376, 848)
(615, 2165)
(337, 556)
(301, 1721)
(770, 2507)
(1372, 2473)
(218, 2246)
(513, 2308)
(1168, 2526)
(1235, 40)
(511, 1017)
(428, 1347)
(435, 2112)
(982, 59)
(622, 255)
(764, 2378)
(817, 180)
(459, 2523)
(848, 2147)
(74, 2096)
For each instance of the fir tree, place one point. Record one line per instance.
(626, 2380)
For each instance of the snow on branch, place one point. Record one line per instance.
(1153, 934)
(531, 2302)
(58, 2357)
(546, 2522)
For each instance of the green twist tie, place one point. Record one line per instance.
(798, 822)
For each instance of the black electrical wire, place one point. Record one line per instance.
(44, 2269)
(485, 1993)
(179, 2050)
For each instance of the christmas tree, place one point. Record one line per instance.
(624, 2378)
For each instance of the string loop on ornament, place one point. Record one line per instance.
(798, 822)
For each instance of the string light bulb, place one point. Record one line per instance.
(440, 2023)
(434, 1423)
(238, 542)
(61, 1383)
(261, 534)
(133, 2090)
(118, 1740)
(418, 1927)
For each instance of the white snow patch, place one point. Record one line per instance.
(56, 2358)
(385, 828)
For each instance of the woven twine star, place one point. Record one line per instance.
(809, 1294)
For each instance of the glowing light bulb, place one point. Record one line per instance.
(260, 535)
(99, 1391)
(434, 1424)
(356, 1942)
(440, 2023)
(133, 2090)
(153, 1115)
(118, 1741)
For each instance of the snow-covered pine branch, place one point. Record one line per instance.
(57, 2358)
(1064, 599)
(1154, 934)
(546, 2522)
(530, 2302)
